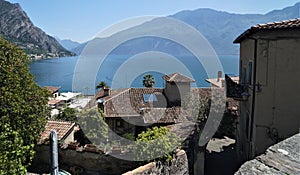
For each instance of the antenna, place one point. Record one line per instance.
(219, 75)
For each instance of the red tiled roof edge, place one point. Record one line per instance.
(46, 132)
(52, 89)
(172, 78)
(286, 24)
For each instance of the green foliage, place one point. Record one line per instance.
(148, 81)
(67, 114)
(204, 110)
(157, 143)
(101, 85)
(23, 110)
(129, 136)
(92, 123)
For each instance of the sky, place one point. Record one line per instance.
(81, 20)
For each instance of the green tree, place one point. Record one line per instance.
(94, 127)
(101, 85)
(23, 110)
(148, 81)
(157, 143)
(67, 114)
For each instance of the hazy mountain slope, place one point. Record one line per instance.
(15, 26)
(220, 29)
(67, 43)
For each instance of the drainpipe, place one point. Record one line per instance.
(53, 153)
(253, 92)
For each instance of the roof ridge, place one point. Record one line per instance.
(275, 25)
(62, 121)
(115, 96)
(173, 76)
(277, 22)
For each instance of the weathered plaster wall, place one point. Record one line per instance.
(176, 92)
(276, 105)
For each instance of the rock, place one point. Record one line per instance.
(16, 27)
(275, 160)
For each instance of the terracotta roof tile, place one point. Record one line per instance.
(286, 24)
(52, 89)
(130, 103)
(62, 129)
(100, 95)
(53, 102)
(279, 24)
(177, 77)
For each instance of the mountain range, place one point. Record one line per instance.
(15, 26)
(218, 27)
(67, 43)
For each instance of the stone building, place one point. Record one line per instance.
(269, 77)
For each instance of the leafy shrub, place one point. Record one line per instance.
(156, 144)
(129, 136)
(67, 114)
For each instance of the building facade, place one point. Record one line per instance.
(270, 77)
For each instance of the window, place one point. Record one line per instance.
(247, 125)
(243, 76)
(250, 72)
(240, 68)
(119, 123)
(150, 98)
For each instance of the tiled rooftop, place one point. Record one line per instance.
(62, 129)
(130, 103)
(286, 24)
(279, 25)
(53, 102)
(52, 89)
(177, 77)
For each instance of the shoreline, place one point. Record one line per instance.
(48, 58)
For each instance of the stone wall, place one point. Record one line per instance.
(282, 158)
(84, 162)
(190, 161)
(178, 166)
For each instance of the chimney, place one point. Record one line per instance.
(219, 75)
(101, 104)
(106, 90)
(142, 111)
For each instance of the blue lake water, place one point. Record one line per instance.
(60, 72)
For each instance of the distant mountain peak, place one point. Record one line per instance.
(67, 43)
(221, 28)
(218, 27)
(15, 26)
